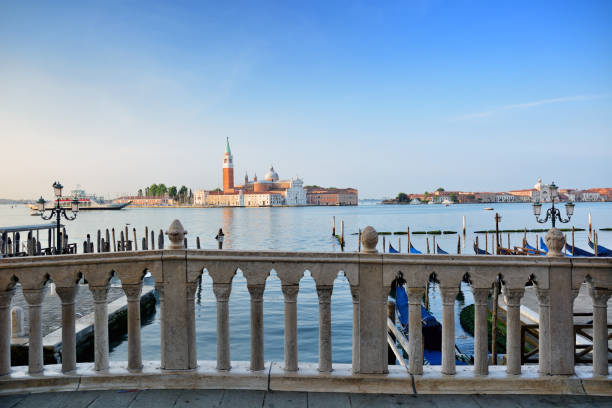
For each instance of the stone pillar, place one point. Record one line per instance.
(415, 327)
(448, 329)
(481, 332)
(222, 293)
(325, 336)
(5, 331)
(34, 297)
(290, 293)
(544, 331)
(513, 329)
(355, 359)
(67, 295)
(191, 334)
(372, 312)
(132, 292)
(600, 330)
(561, 316)
(100, 296)
(160, 286)
(257, 337)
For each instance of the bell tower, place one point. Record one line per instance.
(228, 168)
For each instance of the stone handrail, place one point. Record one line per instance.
(370, 274)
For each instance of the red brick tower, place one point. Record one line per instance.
(228, 169)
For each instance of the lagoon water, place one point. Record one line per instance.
(308, 229)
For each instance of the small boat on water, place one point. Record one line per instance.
(431, 330)
(576, 251)
(413, 250)
(488, 209)
(601, 251)
(440, 250)
(479, 251)
(392, 250)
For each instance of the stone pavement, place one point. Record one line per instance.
(247, 398)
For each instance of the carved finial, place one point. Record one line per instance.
(176, 233)
(555, 240)
(369, 239)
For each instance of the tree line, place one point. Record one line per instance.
(183, 195)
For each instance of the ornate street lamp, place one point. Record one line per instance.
(553, 213)
(58, 211)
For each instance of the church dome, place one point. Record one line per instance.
(271, 175)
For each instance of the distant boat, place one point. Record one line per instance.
(601, 251)
(86, 202)
(440, 250)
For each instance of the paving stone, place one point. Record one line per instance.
(114, 399)
(242, 398)
(156, 398)
(58, 400)
(275, 399)
(328, 399)
(200, 398)
(9, 401)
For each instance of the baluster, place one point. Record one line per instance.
(513, 329)
(160, 286)
(257, 337)
(34, 297)
(325, 336)
(415, 342)
(448, 329)
(132, 292)
(355, 359)
(191, 288)
(100, 296)
(600, 330)
(290, 293)
(5, 331)
(67, 295)
(544, 331)
(222, 293)
(481, 346)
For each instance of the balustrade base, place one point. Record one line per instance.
(307, 378)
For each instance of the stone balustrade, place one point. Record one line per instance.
(370, 275)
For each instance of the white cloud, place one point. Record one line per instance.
(526, 105)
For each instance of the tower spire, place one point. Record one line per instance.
(227, 146)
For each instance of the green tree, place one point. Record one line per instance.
(440, 189)
(162, 189)
(453, 197)
(172, 192)
(153, 190)
(403, 198)
(182, 194)
(140, 192)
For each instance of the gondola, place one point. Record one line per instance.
(393, 250)
(601, 251)
(413, 250)
(543, 246)
(479, 251)
(577, 251)
(440, 250)
(431, 329)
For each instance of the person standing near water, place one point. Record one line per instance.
(220, 237)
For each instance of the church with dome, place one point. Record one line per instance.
(269, 191)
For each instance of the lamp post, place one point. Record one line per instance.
(58, 211)
(553, 213)
(554, 238)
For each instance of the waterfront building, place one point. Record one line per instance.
(331, 196)
(145, 201)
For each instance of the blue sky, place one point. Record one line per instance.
(382, 96)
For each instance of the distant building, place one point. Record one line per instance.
(145, 201)
(525, 196)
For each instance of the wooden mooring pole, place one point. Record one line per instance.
(333, 226)
(573, 230)
(408, 235)
(459, 244)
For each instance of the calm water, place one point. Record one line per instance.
(307, 229)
